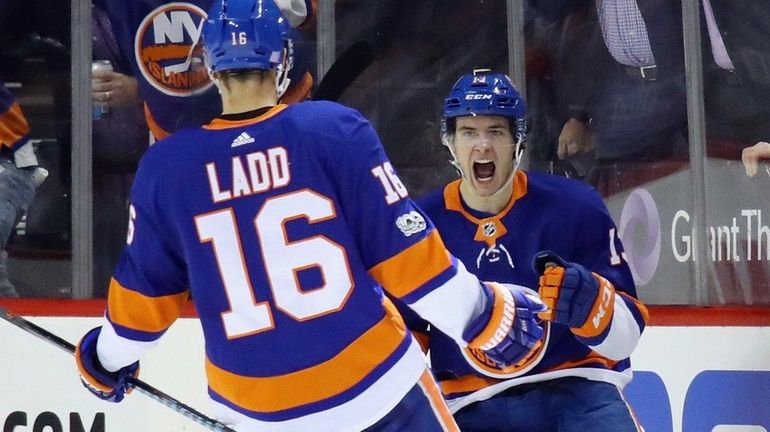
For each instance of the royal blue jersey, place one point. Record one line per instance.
(159, 41)
(284, 228)
(14, 129)
(545, 213)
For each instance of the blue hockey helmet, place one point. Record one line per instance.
(246, 34)
(484, 93)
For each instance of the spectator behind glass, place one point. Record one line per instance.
(19, 175)
(752, 155)
(120, 137)
(736, 65)
(636, 109)
(167, 60)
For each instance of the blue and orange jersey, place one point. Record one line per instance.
(285, 226)
(14, 129)
(545, 213)
(160, 41)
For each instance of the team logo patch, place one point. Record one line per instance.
(167, 49)
(489, 229)
(411, 223)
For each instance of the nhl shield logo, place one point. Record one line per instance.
(489, 228)
(167, 50)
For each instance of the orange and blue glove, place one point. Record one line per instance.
(507, 330)
(582, 300)
(110, 386)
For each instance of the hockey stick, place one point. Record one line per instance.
(139, 385)
(348, 66)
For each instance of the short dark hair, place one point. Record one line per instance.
(243, 75)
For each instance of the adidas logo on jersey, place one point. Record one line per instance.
(243, 138)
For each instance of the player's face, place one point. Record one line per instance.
(483, 146)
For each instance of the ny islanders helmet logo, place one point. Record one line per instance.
(167, 49)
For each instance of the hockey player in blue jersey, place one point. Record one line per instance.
(285, 223)
(496, 219)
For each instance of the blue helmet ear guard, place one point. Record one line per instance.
(485, 93)
(246, 34)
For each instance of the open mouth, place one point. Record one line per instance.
(483, 170)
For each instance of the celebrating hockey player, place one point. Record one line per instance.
(495, 219)
(285, 223)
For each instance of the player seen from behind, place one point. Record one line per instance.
(284, 223)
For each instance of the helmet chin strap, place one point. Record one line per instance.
(518, 154)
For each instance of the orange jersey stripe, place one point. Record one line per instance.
(413, 267)
(316, 383)
(437, 401)
(136, 311)
(592, 358)
(13, 126)
(219, 123)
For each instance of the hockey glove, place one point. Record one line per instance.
(507, 329)
(576, 297)
(110, 386)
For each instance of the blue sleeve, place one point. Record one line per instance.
(599, 245)
(149, 285)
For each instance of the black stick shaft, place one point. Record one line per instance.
(141, 386)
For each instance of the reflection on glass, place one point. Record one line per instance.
(624, 107)
(120, 136)
(417, 57)
(149, 79)
(736, 65)
(35, 69)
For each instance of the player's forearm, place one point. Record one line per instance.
(453, 305)
(623, 335)
(116, 351)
